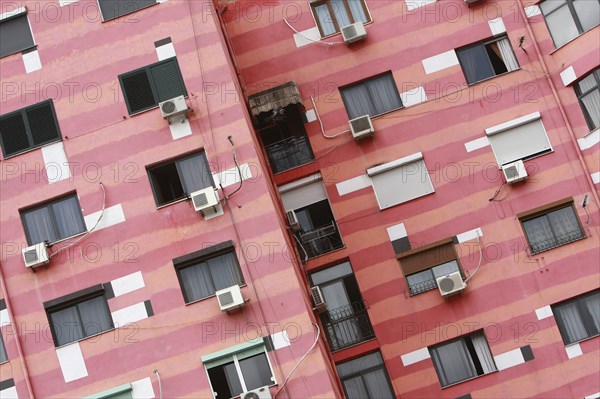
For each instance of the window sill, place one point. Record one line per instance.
(32, 149)
(469, 379)
(173, 203)
(208, 297)
(4, 362)
(492, 77)
(67, 238)
(572, 40)
(582, 340)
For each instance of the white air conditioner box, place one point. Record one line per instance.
(353, 33)
(292, 220)
(451, 284)
(318, 299)
(173, 107)
(361, 127)
(514, 172)
(36, 255)
(259, 393)
(205, 199)
(230, 298)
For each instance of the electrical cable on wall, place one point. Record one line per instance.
(237, 165)
(308, 38)
(321, 122)
(159, 384)
(480, 259)
(90, 230)
(300, 361)
(303, 250)
(497, 192)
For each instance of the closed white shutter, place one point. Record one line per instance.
(401, 184)
(303, 195)
(520, 142)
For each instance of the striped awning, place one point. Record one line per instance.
(277, 97)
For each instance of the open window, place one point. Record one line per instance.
(308, 200)
(487, 59)
(346, 321)
(589, 98)
(332, 15)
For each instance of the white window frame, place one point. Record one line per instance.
(523, 120)
(377, 170)
(238, 369)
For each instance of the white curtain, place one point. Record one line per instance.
(592, 305)
(565, 225)
(572, 323)
(507, 55)
(39, 225)
(341, 15)
(483, 353)
(325, 20)
(538, 233)
(358, 101)
(357, 10)
(384, 94)
(591, 100)
(194, 173)
(68, 217)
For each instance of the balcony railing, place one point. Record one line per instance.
(422, 286)
(346, 326)
(289, 153)
(538, 246)
(321, 240)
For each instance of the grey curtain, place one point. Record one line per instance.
(365, 378)
(95, 316)
(374, 97)
(592, 305)
(341, 15)
(194, 174)
(591, 101)
(224, 270)
(68, 217)
(205, 278)
(538, 233)
(39, 225)
(483, 353)
(453, 362)
(3, 355)
(358, 101)
(357, 11)
(67, 327)
(572, 322)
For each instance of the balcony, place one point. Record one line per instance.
(347, 326)
(321, 240)
(289, 153)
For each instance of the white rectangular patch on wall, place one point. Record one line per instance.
(397, 231)
(71, 362)
(113, 215)
(180, 129)
(280, 340)
(55, 162)
(532, 11)
(544, 312)
(63, 3)
(142, 389)
(469, 235)
(440, 62)
(31, 60)
(352, 185)
(311, 115)
(415, 356)
(476, 144)
(127, 284)
(595, 177)
(4, 319)
(497, 26)
(573, 350)
(413, 96)
(165, 51)
(568, 76)
(232, 176)
(306, 37)
(130, 314)
(9, 393)
(509, 359)
(590, 140)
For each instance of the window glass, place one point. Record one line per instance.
(365, 377)
(488, 59)
(256, 371)
(567, 19)
(562, 26)
(372, 97)
(3, 355)
(332, 15)
(53, 221)
(552, 229)
(225, 381)
(589, 97)
(578, 318)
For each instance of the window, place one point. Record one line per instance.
(550, 228)
(53, 221)
(346, 321)
(15, 32)
(177, 179)
(78, 315)
(372, 97)
(240, 369)
(589, 98)
(318, 233)
(487, 59)
(28, 128)
(3, 354)
(366, 378)
(332, 15)
(567, 19)
(578, 318)
(146, 87)
(462, 359)
(400, 181)
(521, 138)
(112, 9)
(422, 266)
(204, 272)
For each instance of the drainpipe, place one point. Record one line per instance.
(17, 340)
(561, 108)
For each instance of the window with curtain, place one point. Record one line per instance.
(53, 221)
(177, 179)
(112, 9)
(422, 266)
(552, 228)
(146, 87)
(366, 378)
(28, 128)
(332, 15)
(213, 270)
(240, 372)
(487, 59)
(462, 358)
(79, 315)
(374, 96)
(567, 19)
(589, 98)
(3, 355)
(578, 318)
(15, 33)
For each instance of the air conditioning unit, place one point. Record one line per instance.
(353, 33)
(205, 199)
(292, 220)
(318, 299)
(259, 393)
(36, 255)
(173, 107)
(451, 284)
(230, 298)
(514, 172)
(361, 127)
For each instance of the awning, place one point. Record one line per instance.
(277, 97)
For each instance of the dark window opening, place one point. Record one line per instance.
(318, 231)
(53, 221)
(15, 35)
(588, 93)
(374, 96)
(112, 9)
(487, 59)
